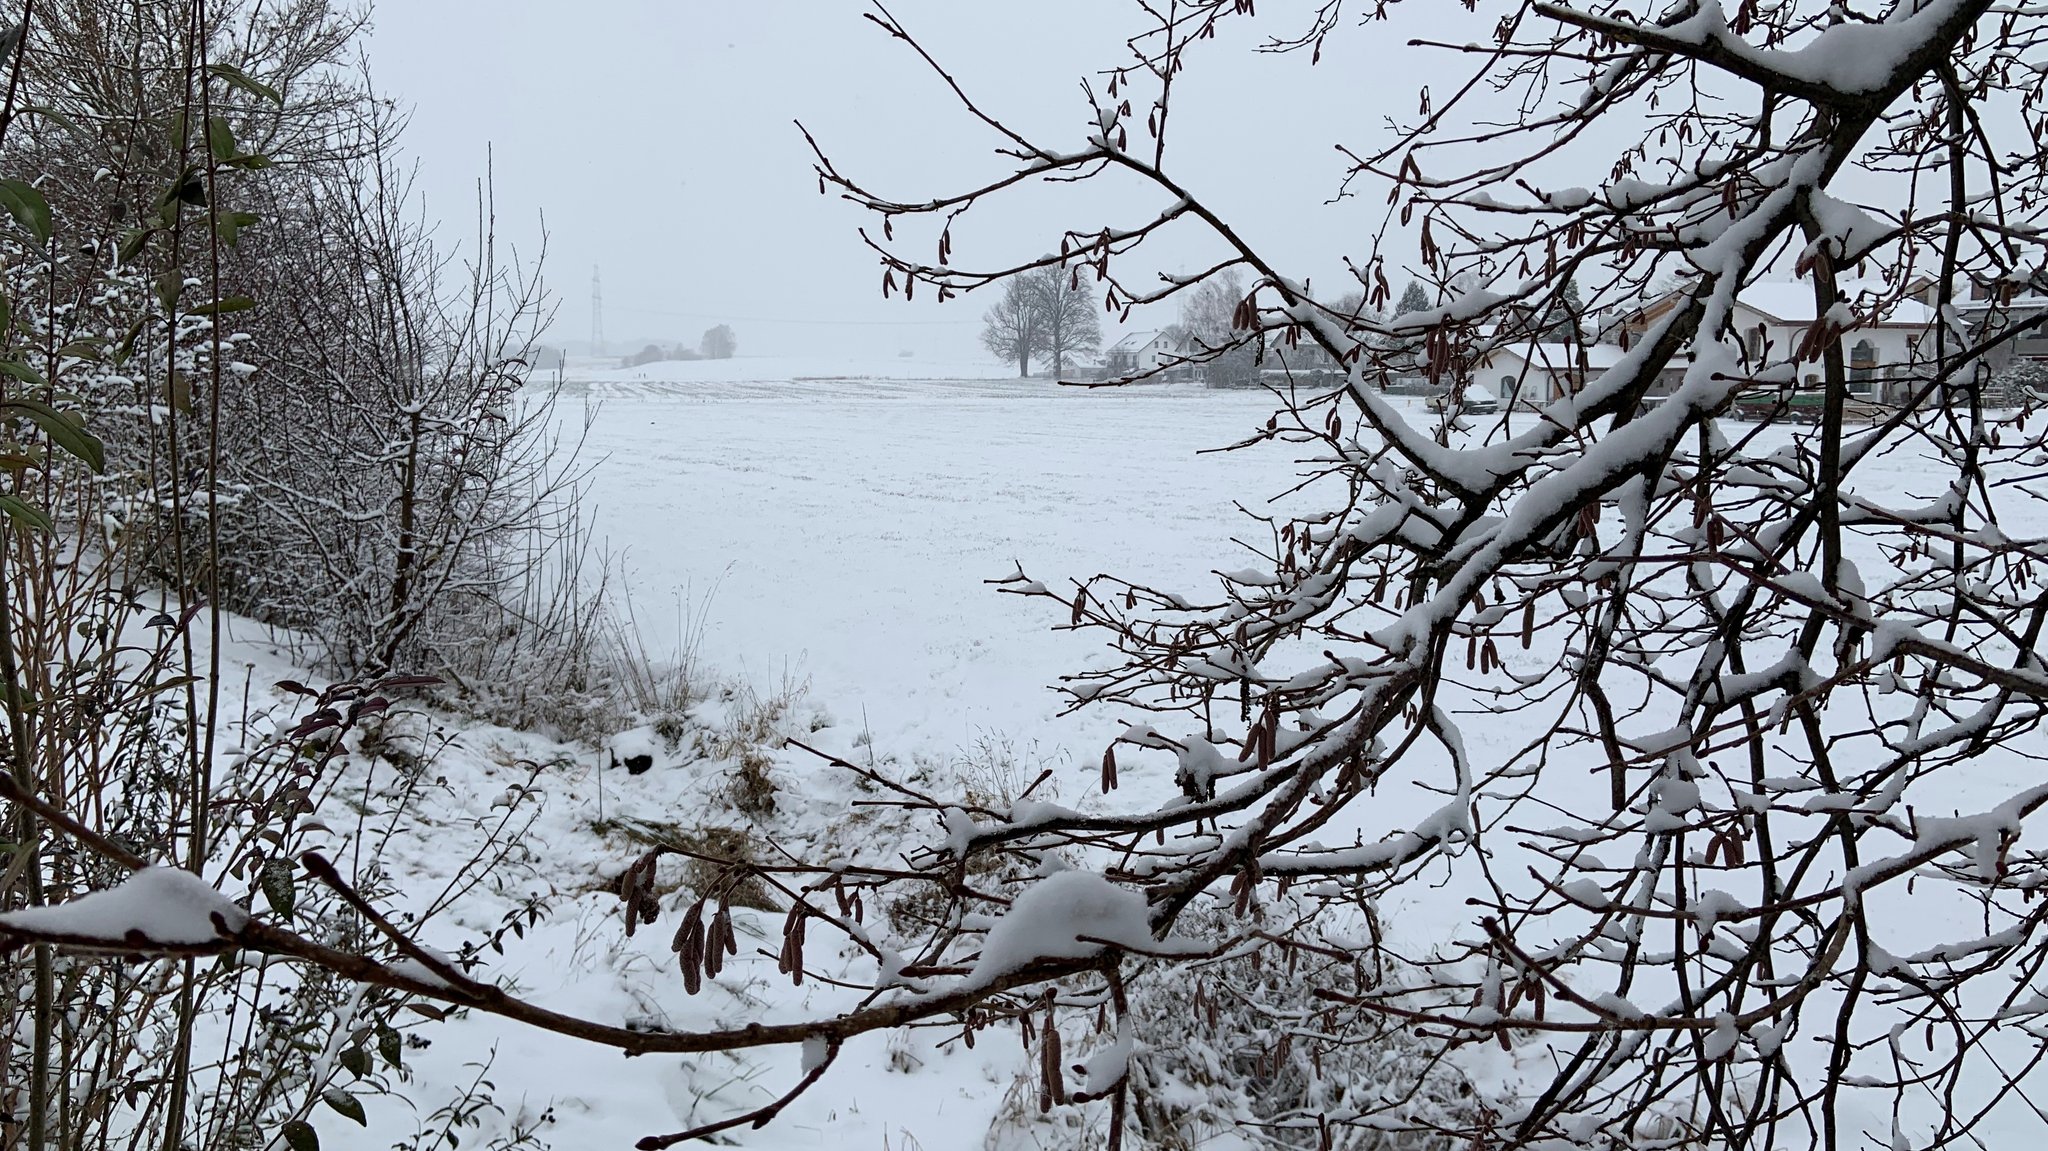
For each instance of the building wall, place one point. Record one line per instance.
(1888, 348)
(1502, 372)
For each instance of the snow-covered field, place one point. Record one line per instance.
(778, 373)
(841, 532)
(835, 534)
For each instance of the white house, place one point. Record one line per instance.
(1138, 352)
(1994, 309)
(1772, 318)
(1530, 374)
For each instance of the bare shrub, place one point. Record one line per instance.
(1245, 1045)
(439, 530)
(660, 690)
(363, 462)
(994, 774)
(131, 188)
(753, 727)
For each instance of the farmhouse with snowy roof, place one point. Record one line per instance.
(1879, 349)
(1138, 352)
(1529, 374)
(1771, 318)
(2019, 301)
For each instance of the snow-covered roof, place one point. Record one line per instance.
(1791, 301)
(2029, 302)
(1134, 342)
(1599, 357)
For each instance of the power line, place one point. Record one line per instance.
(722, 317)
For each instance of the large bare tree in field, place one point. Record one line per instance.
(1729, 734)
(1067, 314)
(1010, 328)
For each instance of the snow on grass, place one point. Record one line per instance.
(844, 537)
(847, 529)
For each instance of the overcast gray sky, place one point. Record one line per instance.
(656, 138)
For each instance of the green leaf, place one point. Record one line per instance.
(168, 287)
(220, 138)
(188, 188)
(245, 82)
(49, 113)
(230, 226)
(254, 161)
(131, 244)
(26, 514)
(300, 1136)
(171, 684)
(279, 890)
(345, 1103)
(389, 1044)
(64, 430)
(127, 346)
(16, 370)
(28, 208)
(357, 1060)
(224, 305)
(90, 348)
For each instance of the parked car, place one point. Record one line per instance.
(1475, 402)
(1802, 405)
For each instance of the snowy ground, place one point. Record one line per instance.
(780, 372)
(840, 532)
(834, 534)
(835, 531)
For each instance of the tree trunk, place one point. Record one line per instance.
(406, 560)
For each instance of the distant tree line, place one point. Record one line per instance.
(1215, 335)
(717, 344)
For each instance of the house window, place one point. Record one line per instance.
(1756, 342)
(1862, 366)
